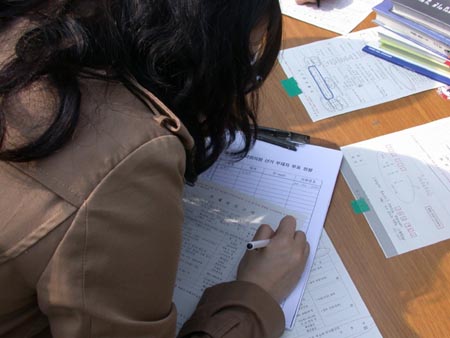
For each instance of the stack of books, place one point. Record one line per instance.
(415, 34)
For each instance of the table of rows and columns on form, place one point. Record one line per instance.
(290, 191)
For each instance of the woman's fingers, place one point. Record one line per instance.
(263, 232)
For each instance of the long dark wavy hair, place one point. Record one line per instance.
(195, 55)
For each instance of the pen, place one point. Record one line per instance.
(283, 138)
(258, 244)
(277, 141)
(284, 134)
(318, 3)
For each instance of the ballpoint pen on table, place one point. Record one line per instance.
(284, 134)
(286, 139)
(277, 141)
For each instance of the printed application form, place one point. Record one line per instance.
(405, 179)
(336, 76)
(331, 306)
(339, 16)
(301, 181)
(217, 226)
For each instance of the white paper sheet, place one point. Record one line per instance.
(337, 77)
(218, 224)
(301, 181)
(331, 306)
(405, 179)
(339, 16)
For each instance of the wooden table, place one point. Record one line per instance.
(408, 295)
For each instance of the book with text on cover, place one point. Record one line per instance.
(411, 30)
(430, 13)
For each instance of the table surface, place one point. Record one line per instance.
(408, 295)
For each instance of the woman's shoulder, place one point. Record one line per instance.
(113, 123)
(114, 130)
(110, 110)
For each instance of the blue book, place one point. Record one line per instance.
(406, 64)
(411, 30)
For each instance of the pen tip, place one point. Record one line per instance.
(249, 246)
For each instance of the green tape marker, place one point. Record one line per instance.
(291, 87)
(360, 206)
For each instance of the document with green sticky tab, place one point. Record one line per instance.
(291, 87)
(401, 184)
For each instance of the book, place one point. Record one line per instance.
(411, 30)
(409, 49)
(407, 64)
(430, 13)
(418, 59)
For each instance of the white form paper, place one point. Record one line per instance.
(331, 306)
(218, 224)
(301, 181)
(337, 77)
(339, 16)
(405, 179)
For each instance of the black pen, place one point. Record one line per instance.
(277, 141)
(318, 3)
(289, 136)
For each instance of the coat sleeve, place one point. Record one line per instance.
(235, 309)
(114, 271)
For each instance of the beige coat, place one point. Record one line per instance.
(90, 236)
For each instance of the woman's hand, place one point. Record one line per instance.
(277, 267)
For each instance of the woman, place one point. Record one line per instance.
(93, 164)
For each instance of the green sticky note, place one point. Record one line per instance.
(291, 87)
(359, 206)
